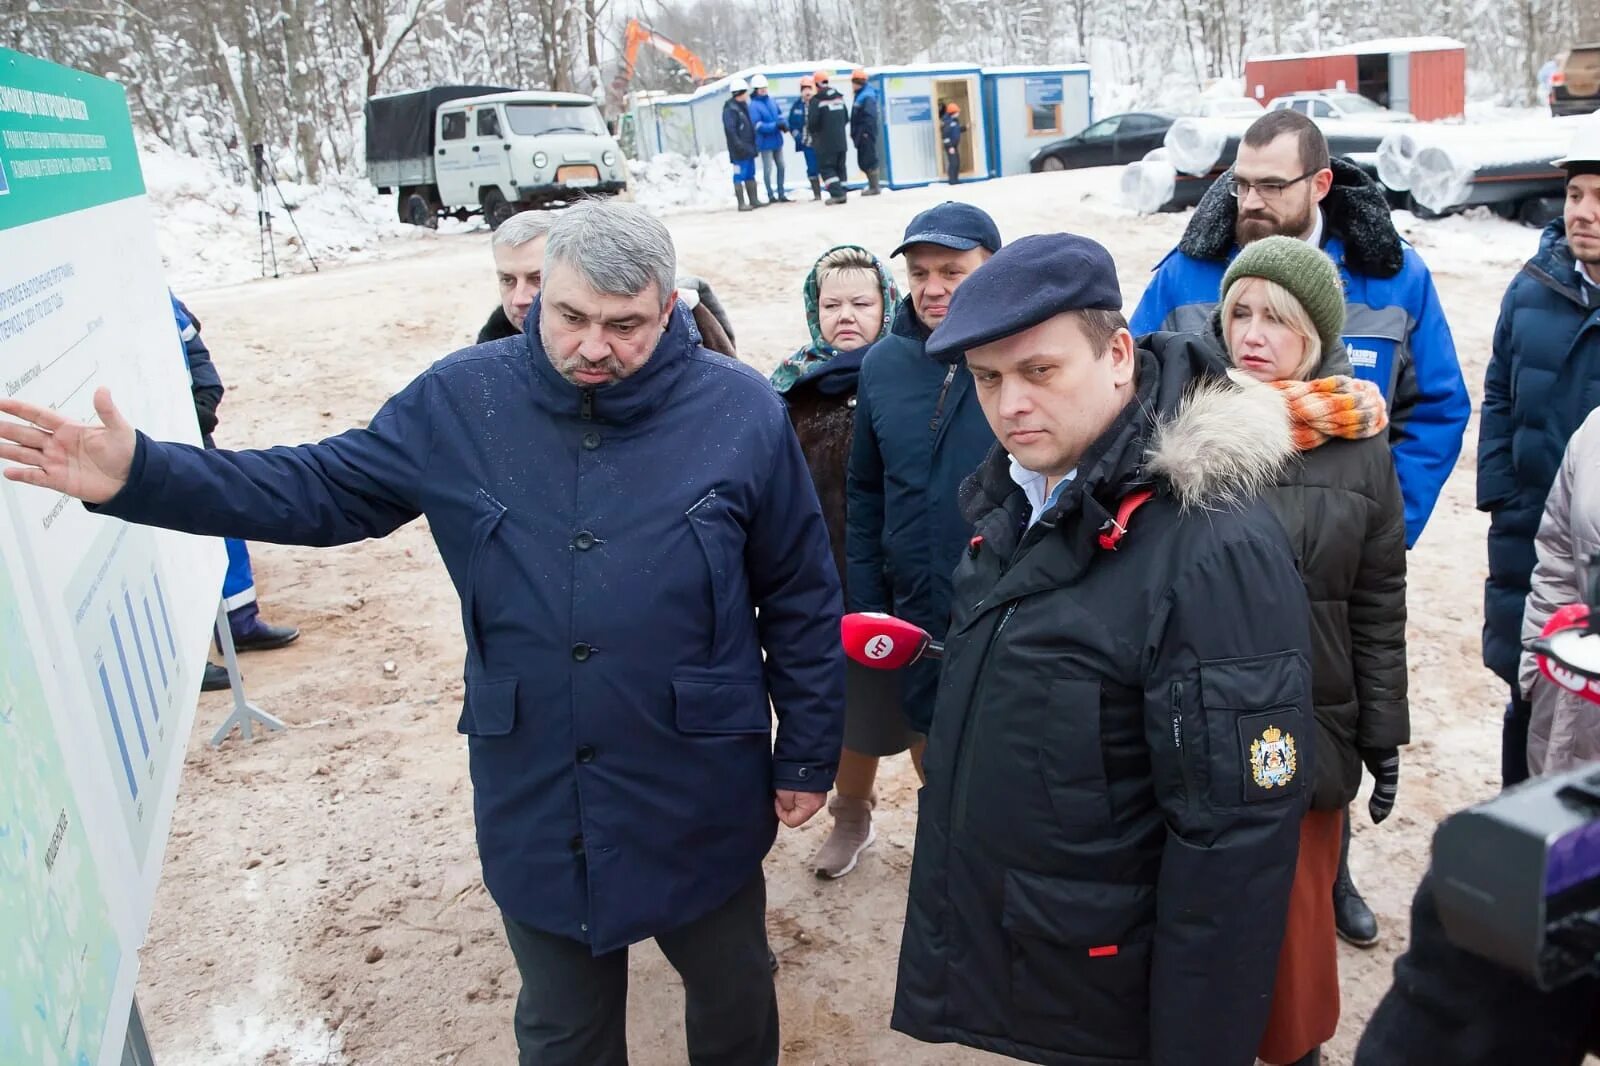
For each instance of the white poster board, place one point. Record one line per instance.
(103, 626)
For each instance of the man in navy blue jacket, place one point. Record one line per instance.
(642, 565)
(1542, 382)
(919, 433)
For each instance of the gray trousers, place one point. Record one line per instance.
(770, 158)
(573, 1005)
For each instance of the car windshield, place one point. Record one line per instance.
(531, 120)
(1352, 102)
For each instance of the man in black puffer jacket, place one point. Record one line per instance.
(828, 122)
(1123, 742)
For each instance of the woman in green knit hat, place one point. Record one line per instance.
(1281, 317)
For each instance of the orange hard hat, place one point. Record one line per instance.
(808, 82)
(955, 109)
(858, 74)
(820, 77)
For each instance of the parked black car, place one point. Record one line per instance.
(1118, 139)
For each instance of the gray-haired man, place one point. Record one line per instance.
(642, 565)
(518, 248)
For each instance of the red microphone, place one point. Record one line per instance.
(884, 642)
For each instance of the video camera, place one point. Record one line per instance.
(1518, 878)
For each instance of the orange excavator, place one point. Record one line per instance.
(638, 35)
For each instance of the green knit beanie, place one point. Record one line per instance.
(1307, 273)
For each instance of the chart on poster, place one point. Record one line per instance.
(103, 626)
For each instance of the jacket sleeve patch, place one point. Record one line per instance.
(1257, 720)
(1270, 753)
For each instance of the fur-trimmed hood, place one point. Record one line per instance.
(1355, 207)
(1208, 435)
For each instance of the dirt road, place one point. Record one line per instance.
(321, 901)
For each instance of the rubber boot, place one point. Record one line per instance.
(872, 189)
(752, 195)
(816, 188)
(738, 192)
(1352, 918)
(837, 194)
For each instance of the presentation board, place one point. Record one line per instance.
(103, 626)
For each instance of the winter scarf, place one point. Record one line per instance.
(1339, 406)
(817, 353)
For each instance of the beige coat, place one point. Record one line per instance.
(1565, 730)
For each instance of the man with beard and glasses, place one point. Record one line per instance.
(1284, 183)
(645, 577)
(1542, 382)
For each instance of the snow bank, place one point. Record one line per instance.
(207, 230)
(671, 183)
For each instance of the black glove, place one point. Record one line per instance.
(1384, 766)
(205, 409)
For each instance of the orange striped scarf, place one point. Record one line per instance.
(1338, 406)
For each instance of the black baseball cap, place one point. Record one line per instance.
(952, 225)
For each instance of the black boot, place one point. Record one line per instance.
(1352, 918)
(753, 196)
(836, 193)
(738, 192)
(259, 636)
(215, 679)
(816, 188)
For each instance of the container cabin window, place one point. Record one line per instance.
(489, 123)
(453, 126)
(1044, 118)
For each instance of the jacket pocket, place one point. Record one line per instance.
(1071, 759)
(708, 705)
(490, 708)
(721, 539)
(1261, 740)
(487, 514)
(1080, 964)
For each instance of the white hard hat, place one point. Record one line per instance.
(758, 81)
(738, 85)
(1585, 147)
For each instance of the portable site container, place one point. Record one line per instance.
(913, 98)
(1426, 76)
(1026, 107)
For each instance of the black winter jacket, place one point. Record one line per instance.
(828, 122)
(1341, 506)
(498, 327)
(739, 130)
(1120, 753)
(1543, 380)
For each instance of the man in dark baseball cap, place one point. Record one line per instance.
(1123, 737)
(918, 433)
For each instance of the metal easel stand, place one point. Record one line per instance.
(136, 1046)
(245, 714)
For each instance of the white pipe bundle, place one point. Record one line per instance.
(1438, 163)
(1148, 184)
(1195, 144)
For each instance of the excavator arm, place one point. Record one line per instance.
(637, 36)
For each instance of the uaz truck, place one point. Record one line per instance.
(471, 149)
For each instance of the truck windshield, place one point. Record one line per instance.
(531, 120)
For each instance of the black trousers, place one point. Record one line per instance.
(573, 1005)
(1514, 740)
(952, 164)
(833, 166)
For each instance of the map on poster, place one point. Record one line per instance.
(103, 626)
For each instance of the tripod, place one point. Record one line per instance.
(264, 176)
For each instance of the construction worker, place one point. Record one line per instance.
(864, 119)
(828, 121)
(740, 131)
(802, 135)
(950, 133)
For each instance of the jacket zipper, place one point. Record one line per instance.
(964, 759)
(586, 405)
(944, 390)
(1177, 741)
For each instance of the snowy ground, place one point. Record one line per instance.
(322, 903)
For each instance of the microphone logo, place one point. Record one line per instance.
(880, 647)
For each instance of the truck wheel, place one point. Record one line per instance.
(416, 210)
(495, 208)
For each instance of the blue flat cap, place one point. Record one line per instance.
(957, 226)
(1025, 283)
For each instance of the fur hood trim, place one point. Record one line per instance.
(1227, 442)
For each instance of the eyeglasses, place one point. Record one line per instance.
(1267, 190)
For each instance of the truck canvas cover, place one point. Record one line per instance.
(400, 125)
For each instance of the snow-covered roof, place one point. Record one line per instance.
(1384, 46)
(926, 68)
(531, 96)
(1056, 68)
(776, 70)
